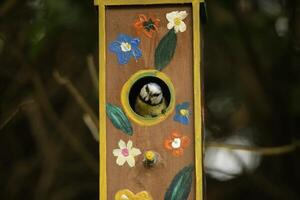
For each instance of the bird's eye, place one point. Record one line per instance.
(155, 95)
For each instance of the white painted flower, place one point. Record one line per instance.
(175, 20)
(126, 153)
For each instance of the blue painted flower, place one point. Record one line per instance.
(182, 113)
(125, 47)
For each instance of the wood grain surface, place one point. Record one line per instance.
(120, 19)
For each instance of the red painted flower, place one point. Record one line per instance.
(176, 143)
(146, 25)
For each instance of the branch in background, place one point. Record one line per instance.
(92, 126)
(17, 110)
(78, 97)
(49, 152)
(266, 151)
(43, 100)
(93, 72)
(68, 135)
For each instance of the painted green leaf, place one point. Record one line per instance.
(165, 50)
(180, 187)
(118, 118)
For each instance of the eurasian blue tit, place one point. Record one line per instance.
(150, 102)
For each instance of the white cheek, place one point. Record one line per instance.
(143, 92)
(156, 100)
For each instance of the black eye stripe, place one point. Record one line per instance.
(155, 95)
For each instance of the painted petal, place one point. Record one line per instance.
(117, 152)
(142, 17)
(170, 25)
(182, 15)
(124, 195)
(178, 118)
(129, 144)
(182, 27)
(124, 57)
(121, 160)
(138, 27)
(138, 24)
(148, 34)
(135, 42)
(185, 105)
(122, 144)
(135, 152)
(171, 16)
(124, 38)
(176, 28)
(185, 141)
(136, 53)
(185, 120)
(144, 195)
(178, 107)
(168, 144)
(178, 152)
(115, 47)
(175, 135)
(131, 161)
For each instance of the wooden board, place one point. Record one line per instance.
(181, 72)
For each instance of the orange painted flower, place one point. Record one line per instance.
(146, 25)
(176, 143)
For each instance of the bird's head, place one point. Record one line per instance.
(151, 93)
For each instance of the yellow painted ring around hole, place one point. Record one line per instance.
(125, 97)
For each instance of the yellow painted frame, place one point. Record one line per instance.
(125, 100)
(197, 87)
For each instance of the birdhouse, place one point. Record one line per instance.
(150, 99)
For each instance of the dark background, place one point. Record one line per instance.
(49, 104)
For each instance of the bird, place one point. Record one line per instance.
(150, 102)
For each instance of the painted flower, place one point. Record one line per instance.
(176, 143)
(128, 195)
(182, 113)
(125, 47)
(175, 20)
(126, 153)
(146, 25)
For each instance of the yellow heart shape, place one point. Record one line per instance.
(128, 195)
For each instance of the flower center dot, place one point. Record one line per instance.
(177, 21)
(125, 46)
(176, 143)
(125, 152)
(184, 112)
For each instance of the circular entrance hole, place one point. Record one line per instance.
(148, 97)
(156, 83)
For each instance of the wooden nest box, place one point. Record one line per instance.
(150, 99)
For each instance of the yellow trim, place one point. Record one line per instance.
(197, 101)
(197, 88)
(102, 103)
(125, 99)
(142, 2)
